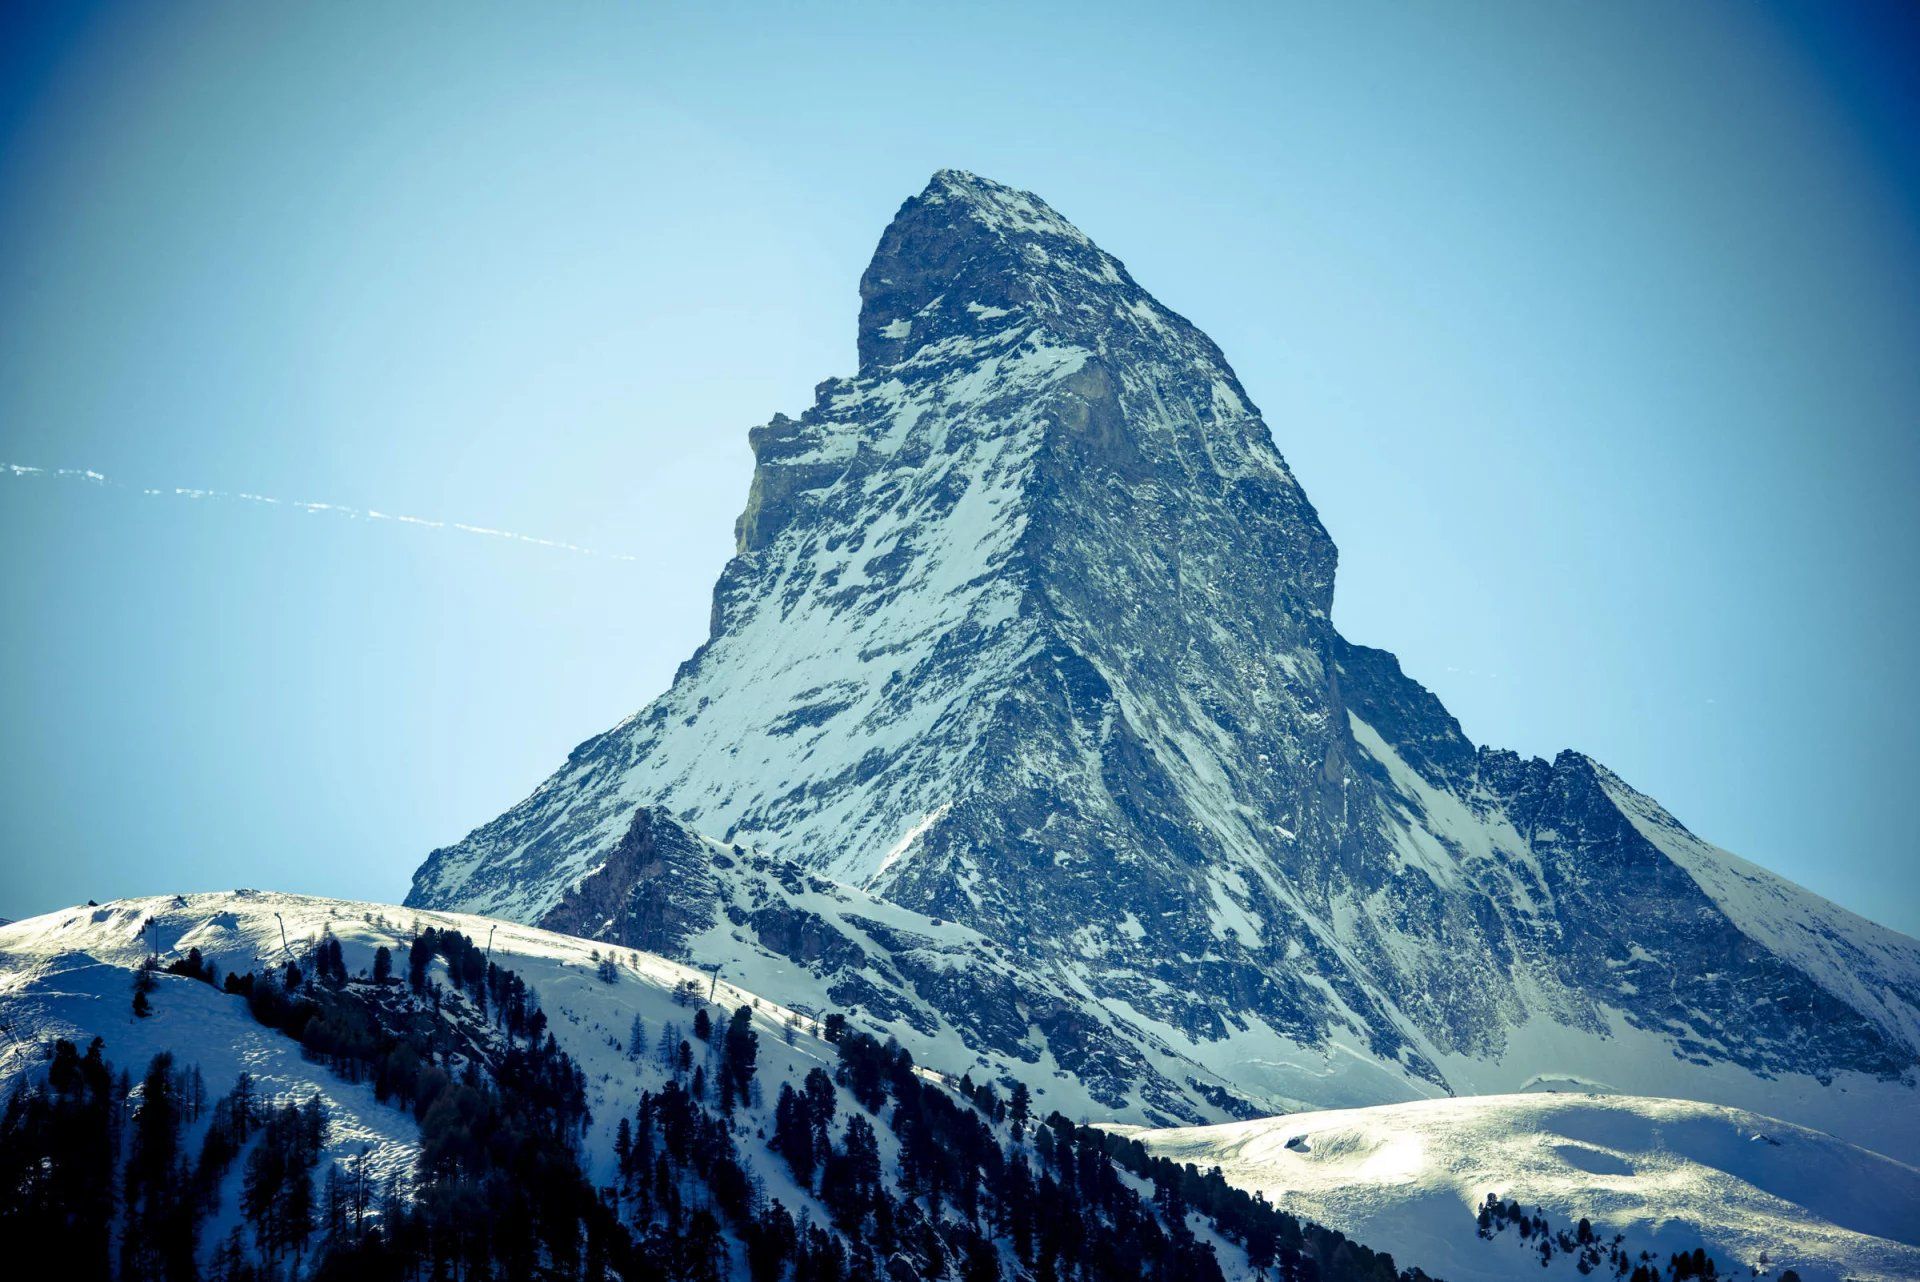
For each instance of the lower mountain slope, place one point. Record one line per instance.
(1668, 1176)
(950, 994)
(813, 1150)
(958, 995)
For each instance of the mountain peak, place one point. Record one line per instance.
(969, 251)
(998, 207)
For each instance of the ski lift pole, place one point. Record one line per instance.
(284, 946)
(713, 986)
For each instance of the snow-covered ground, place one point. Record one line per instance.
(69, 974)
(1670, 1175)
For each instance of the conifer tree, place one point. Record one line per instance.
(143, 985)
(742, 1047)
(419, 957)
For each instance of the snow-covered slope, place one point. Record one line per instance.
(953, 996)
(1667, 1174)
(67, 975)
(1029, 629)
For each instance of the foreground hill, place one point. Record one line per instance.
(1029, 630)
(511, 1099)
(1669, 1175)
(66, 975)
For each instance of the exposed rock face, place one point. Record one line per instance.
(656, 890)
(1028, 630)
(772, 925)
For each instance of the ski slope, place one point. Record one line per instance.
(1670, 1175)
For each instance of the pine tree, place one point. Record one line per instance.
(330, 963)
(362, 1193)
(742, 1047)
(770, 1243)
(334, 1204)
(162, 1230)
(793, 1135)
(230, 1261)
(143, 984)
(419, 957)
(1019, 1108)
(667, 1051)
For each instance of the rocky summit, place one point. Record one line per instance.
(1023, 727)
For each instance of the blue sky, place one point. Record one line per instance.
(1590, 331)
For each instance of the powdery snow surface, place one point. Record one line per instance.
(1670, 1175)
(69, 974)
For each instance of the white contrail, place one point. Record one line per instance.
(334, 509)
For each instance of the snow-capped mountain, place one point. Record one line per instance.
(1667, 1176)
(1028, 630)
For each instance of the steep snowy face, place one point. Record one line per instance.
(1028, 629)
(995, 509)
(1005, 604)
